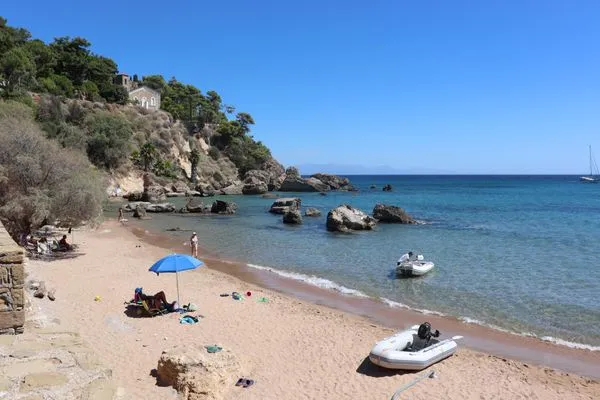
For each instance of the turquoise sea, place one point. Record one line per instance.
(519, 253)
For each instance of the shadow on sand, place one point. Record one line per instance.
(369, 369)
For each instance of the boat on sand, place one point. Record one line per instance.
(413, 349)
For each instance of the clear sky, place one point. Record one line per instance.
(421, 86)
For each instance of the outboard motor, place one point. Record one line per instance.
(425, 333)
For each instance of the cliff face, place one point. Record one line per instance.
(173, 144)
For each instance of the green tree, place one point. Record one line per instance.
(42, 56)
(41, 181)
(156, 82)
(17, 71)
(72, 58)
(115, 94)
(194, 160)
(11, 37)
(109, 137)
(148, 155)
(245, 120)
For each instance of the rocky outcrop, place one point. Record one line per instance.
(292, 216)
(134, 196)
(234, 188)
(392, 214)
(153, 192)
(281, 206)
(275, 173)
(334, 182)
(135, 204)
(256, 182)
(180, 187)
(194, 206)
(197, 374)
(160, 208)
(223, 207)
(346, 218)
(387, 188)
(140, 212)
(312, 212)
(293, 182)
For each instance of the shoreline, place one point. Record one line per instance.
(478, 337)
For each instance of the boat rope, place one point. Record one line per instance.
(419, 378)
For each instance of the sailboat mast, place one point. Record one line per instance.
(591, 169)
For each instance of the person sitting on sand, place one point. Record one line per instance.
(63, 245)
(158, 301)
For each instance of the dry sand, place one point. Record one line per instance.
(291, 348)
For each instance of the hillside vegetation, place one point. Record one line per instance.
(70, 105)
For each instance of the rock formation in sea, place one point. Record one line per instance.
(282, 205)
(292, 216)
(392, 214)
(312, 212)
(346, 218)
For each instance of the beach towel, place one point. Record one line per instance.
(188, 319)
(213, 349)
(262, 300)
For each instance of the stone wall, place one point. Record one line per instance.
(12, 280)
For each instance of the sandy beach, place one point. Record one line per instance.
(292, 348)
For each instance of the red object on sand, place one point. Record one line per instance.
(248, 294)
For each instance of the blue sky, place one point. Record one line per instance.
(422, 86)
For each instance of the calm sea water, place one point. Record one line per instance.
(520, 253)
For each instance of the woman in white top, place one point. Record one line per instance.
(194, 244)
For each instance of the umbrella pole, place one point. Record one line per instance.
(177, 277)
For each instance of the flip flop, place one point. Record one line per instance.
(240, 382)
(248, 383)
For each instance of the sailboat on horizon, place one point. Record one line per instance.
(593, 177)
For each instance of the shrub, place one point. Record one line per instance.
(40, 181)
(108, 139)
(214, 153)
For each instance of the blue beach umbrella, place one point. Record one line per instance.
(175, 263)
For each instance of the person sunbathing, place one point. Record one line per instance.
(157, 301)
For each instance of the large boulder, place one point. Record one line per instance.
(194, 206)
(133, 205)
(140, 212)
(153, 192)
(134, 196)
(275, 173)
(346, 218)
(292, 216)
(281, 206)
(160, 208)
(197, 374)
(312, 212)
(253, 185)
(293, 183)
(392, 214)
(223, 207)
(180, 187)
(334, 182)
(234, 188)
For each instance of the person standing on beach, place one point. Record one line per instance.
(194, 244)
(120, 214)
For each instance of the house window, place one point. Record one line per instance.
(152, 101)
(136, 100)
(144, 102)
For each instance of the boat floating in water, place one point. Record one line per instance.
(594, 176)
(418, 267)
(413, 349)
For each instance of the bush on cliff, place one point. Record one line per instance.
(39, 180)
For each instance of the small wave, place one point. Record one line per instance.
(560, 342)
(394, 304)
(327, 284)
(572, 345)
(312, 280)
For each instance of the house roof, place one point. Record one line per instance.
(145, 87)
